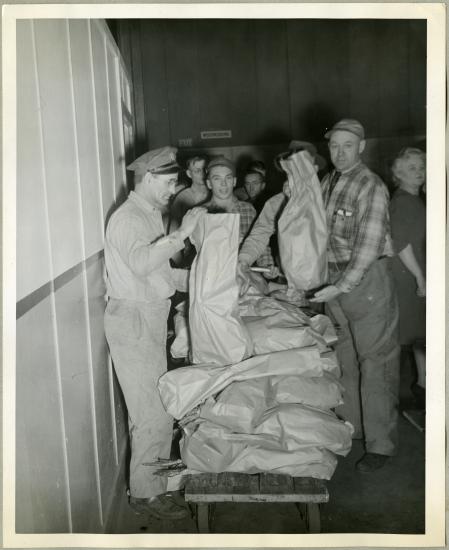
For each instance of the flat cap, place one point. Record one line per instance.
(156, 161)
(221, 161)
(347, 125)
(297, 145)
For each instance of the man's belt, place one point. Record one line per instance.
(340, 266)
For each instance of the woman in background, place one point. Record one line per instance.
(408, 229)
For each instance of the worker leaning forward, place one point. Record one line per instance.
(139, 284)
(361, 298)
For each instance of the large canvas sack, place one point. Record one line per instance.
(322, 392)
(302, 228)
(216, 330)
(240, 406)
(207, 447)
(184, 388)
(299, 425)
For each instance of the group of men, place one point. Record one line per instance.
(359, 296)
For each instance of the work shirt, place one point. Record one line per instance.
(358, 223)
(137, 254)
(245, 209)
(255, 245)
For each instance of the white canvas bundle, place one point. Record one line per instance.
(217, 333)
(302, 228)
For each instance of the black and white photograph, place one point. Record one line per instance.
(224, 275)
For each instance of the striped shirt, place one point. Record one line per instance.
(358, 223)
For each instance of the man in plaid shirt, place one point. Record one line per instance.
(361, 298)
(221, 181)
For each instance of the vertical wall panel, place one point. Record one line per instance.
(184, 95)
(155, 83)
(104, 414)
(416, 75)
(39, 452)
(272, 87)
(33, 255)
(59, 145)
(116, 128)
(73, 352)
(86, 138)
(241, 74)
(213, 77)
(103, 123)
(393, 76)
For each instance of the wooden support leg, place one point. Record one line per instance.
(313, 519)
(202, 518)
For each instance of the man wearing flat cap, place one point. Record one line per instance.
(360, 296)
(139, 284)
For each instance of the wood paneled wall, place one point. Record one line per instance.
(270, 81)
(73, 98)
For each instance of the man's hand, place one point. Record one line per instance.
(273, 273)
(421, 287)
(243, 277)
(326, 294)
(190, 220)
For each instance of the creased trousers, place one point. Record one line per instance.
(369, 354)
(136, 333)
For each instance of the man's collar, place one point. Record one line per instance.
(344, 172)
(143, 203)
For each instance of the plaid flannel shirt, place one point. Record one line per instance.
(358, 223)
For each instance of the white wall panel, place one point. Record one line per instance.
(59, 143)
(86, 136)
(103, 122)
(33, 255)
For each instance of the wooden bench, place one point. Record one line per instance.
(204, 490)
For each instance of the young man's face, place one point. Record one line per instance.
(196, 172)
(221, 182)
(345, 149)
(159, 188)
(254, 185)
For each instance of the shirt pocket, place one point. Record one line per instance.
(343, 222)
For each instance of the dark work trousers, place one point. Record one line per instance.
(369, 353)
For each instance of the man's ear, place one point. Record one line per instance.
(362, 146)
(235, 182)
(189, 173)
(208, 184)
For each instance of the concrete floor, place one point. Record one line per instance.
(388, 501)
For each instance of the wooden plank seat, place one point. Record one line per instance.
(207, 489)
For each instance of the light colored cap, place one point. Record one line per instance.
(221, 161)
(156, 161)
(347, 125)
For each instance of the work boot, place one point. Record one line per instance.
(370, 462)
(160, 507)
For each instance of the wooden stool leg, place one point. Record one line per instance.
(313, 519)
(202, 518)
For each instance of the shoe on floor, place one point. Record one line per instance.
(370, 462)
(161, 507)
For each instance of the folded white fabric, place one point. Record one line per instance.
(207, 447)
(323, 392)
(184, 388)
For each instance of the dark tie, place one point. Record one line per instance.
(333, 180)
